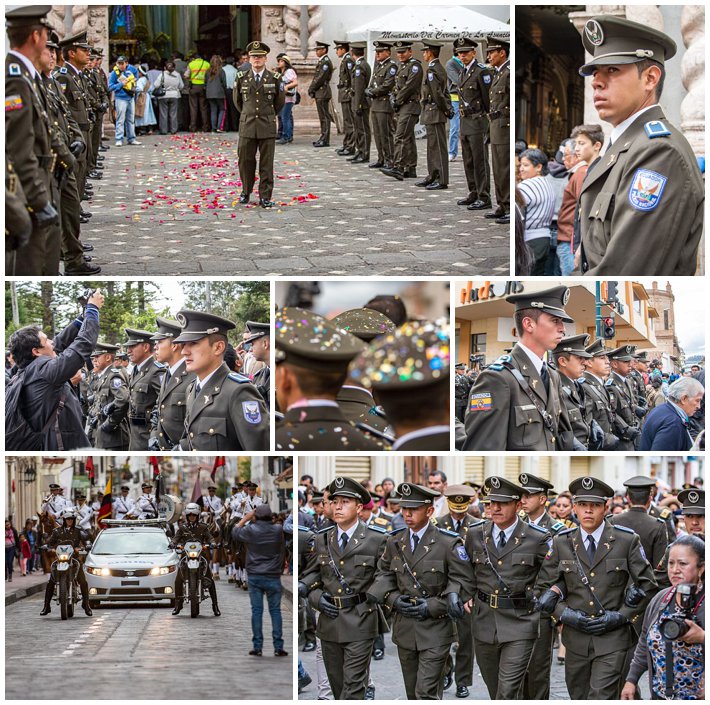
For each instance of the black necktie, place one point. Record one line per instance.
(501, 540)
(457, 525)
(545, 377)
(591, 548)
(343, 541)
(258, 78)
(167, 377)
(415, 542)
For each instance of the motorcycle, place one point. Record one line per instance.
(65, 571)
(194, 565)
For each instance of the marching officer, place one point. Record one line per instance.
(143, 386)
(498, 56)
(597, 403)
(123, 504)
(338, 581)
(224, 409)
(626, 422)
(474, 103)
(212, 502)
(171, 405)
(342, 50)
(647, 183)
(145, 506)
(515, 403)
(109, 412)
(436, 110)
(424, 576)
(360, 103)
(55, 503)
(405, 103)
(319, 90)
(259, 95)
(597, 583)
(379, 91)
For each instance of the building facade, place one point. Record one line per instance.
(667, 345)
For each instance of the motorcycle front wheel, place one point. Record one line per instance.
(194, 594)
(64, 596)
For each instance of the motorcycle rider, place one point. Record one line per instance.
(193, 530)
(69, 533)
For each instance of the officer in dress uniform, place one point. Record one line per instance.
(84, 513)
(405, 103)
(424, 576)
(260, 340)
(55, 502)
(379, 91)
(212, 502)
(342, 50)
(474, 102)
(224, 409)
(436, 110)
(123, 504)
(647, 182)
(498, 56)
(259, 95)
(337, 582)
(108, 415)
(319, 90)
(145, 506)
(626, 422)
(360, 103)
(171, 406)
(516, 403)
(597, 403)
(597, 582)
(144, 386)
(312, 358)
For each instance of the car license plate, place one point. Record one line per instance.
(130, 582)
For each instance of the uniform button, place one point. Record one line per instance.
(162, 406)
(340, 590)
(192, 435)
(617, 567)
(496, 592)
(211, 430)
(500, 562)
(591, 588)
(342, 562)
(591, 574)
(179, 403)
(591, 604)
(414, 573)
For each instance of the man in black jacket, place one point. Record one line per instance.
(46, 366)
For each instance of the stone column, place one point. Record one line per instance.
(80, 18)
(56, 18)
(98, 31)
(692, 109)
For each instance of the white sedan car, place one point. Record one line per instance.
(131, 564)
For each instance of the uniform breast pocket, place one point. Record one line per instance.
(478, 558)
(601, 212)
(432, 575)
(600, 405)
(574, 415)
(567, 567)
(617, 571)
(175, 411)
(209, 432)
(364, 566)
(528, 425)
(140, 393)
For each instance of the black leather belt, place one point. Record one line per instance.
(349, 601)
(138, 420)
(498, 602)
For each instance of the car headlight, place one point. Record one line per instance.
(163, 570)
(104, 572)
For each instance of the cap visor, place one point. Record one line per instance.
(614, 60)
(189, 337)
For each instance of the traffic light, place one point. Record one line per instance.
(608, 328)
(613, 292)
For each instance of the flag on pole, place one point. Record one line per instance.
(106, 508)
(197, 489)
(154, 464)
(90, 469)
(219, 462)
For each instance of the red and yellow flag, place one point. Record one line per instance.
(106, 508)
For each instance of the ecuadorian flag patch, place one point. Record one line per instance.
(13, 102)
(483, 401)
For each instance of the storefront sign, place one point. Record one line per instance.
(489, 290)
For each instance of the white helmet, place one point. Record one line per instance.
(192, 508)
(67, 514)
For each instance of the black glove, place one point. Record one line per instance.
(61, 175)
(153, 444)
(77, 147)
(640, 411)
(418, 611)
(494, 114)
(302, 589)
(450, 114)
(611, 442)
(396, 106)
(455, 607)
(107, 427)
(327, 607)
(103, 107)
(368, 92)
(108, 409)
(605, 623)
(547, 602)
(46, 217)
(634, 596)
(311, 94)
(359, 112)
(401, 603)
(596, 436)
(631, 433)
(575, 619)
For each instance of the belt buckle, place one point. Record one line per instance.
(493, 602)
(338, 602)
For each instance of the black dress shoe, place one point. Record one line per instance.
(322, 144)
(378, 654)
(255, 652)
(84, 268)
(84, 213)
(317, 143)
(461, 691)
(280, 652)
(96, 175)
(99, 166)
(244, 198)
(478, 205)
(410, 174)
(178, 608)
(216, 611)
(448, 680)
(465, 201)
(503, 220)
(87, 610)
(45, 611)
(87, 247)
(376, 165)
(104, 148)
(361, 159)
(83, 220)
(424, 182)
(266, 203)
(303, 682)
(353, 158)
(309, 646)
(436, 186)
(394, 173)
(86, 196)
(497, 213)
(344, 152)
(370, 692)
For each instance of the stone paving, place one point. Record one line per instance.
(170, 207)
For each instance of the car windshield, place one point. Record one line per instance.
(130, 543)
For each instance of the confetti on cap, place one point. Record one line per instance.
(364, 323)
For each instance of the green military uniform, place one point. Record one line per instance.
(666, 515)
(258, 102)
(360, 104)
(499, 117)
(474, 102)
(597, 404)
(647, 183)
(505, 566)
(341, 574)
(262, 377)
(111, 402)
(415, 576)
(381, 111)
(626, 423)
(345, 98)
(18, 224)
(652, 532)
(436, 110)
(594, 576)
(573, 392)
(306, 546)
(321, 92)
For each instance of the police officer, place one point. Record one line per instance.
(319, 90)
(224, 409)
(212, 502)
(337, 582)
(436, 110)
(515, 403)
(108, 416)
(647, 182)
(474, 102)
(462, 387)
(424, 576)
(342, 50)
(123, 504)
(259, 96)
(626, 422)
(597, 583)
(260, 342)
(310, 370)
(381, 111)
(83, 513)
(168, 421)
(498, 56)
(144, 386)
(360, 103)
(55, 503)
(193, 530)
(405, 103)
(667, 516)
(597, 403)
(145, 506)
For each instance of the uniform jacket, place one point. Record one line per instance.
(641, 189)
(358, 406)
(171, 407)
(122, 505)
(359, 80)
(407, 87)
(651, 531)
(424, 439)
(77, 95)
(597, 403)
(346, 65)
(61, 535)
(622, 403)
(227, 414)
(320, 85)
(665, 430)
(474, 98)
(573, 399)
(500, 105)
(192, 532)
(447, 522)
(111, 388)
(436, 99)
(258, 105)
(63, 124)
(381, 85)
(143, 386)
(553, 526)
(618, 563)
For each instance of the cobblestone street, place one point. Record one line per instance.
(170, 207)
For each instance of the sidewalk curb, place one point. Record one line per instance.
(23, 592)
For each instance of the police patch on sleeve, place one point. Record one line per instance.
(646, 189)
(393, 70)
(357, 72)
(430, 75)
(13, 102)
(251, 411)
(14, 70)
(486, 78)
(461, 552)
(415, 69)
(482, 401)
(116, 382)
(325, 67)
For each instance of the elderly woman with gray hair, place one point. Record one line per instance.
(666, 426)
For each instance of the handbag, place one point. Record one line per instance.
(140, 104)
(159, 92)
(298, 98)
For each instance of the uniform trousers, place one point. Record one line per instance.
(405, 146)
(475, 163)
(348, 129)
(503, 667)
(70, 206)
(247, 149)
(324, 119)
(423, 671)
(363, 134)
(436, 153)
(537, 680)
(463, 668)
(348, 666)
(593, 677)
(383, 130)
(500, 156)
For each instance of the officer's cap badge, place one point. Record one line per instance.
(594, 32)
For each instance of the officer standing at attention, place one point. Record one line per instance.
(596, 397)
(109, 412)
(647, 183)
(379, 91)
(424, 576)
(342, 51)
(319, 90)
(259, 95)
(168, 421)
(143, 386)
(224, 409)
(597, 582)
(360, 103)
(516, 403)
(338, 581)
(622, 402)
(405, 103)
(498, 56)
(436, 110)
(474, 102)
(506, 554)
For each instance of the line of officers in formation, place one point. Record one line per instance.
(178, 394)
(499, 587)
(56, 96)
(387, 100)
(592, 399)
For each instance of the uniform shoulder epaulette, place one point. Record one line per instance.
(623, 528)
(434, 521)
(236, 377)
(277, 74)
(557, 526)
(608, 383)
(304, 528)
(522, 514)
(538, 528)
(480, 65)
(500, 363)
(655, 128)
(665, 513)
(448, 532)
(240, 74)
(567, 531)
(378, 529)
(480, 522)
(159, 365)
(62, 69)
(327, 528)
(397, 531)
(660, 521)
(378, 411)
